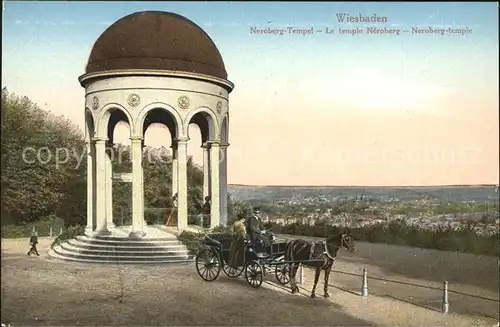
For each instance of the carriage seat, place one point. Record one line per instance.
(263, 255)
(211, 241)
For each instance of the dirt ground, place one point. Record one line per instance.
(44, 291)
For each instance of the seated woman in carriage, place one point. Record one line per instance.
(237, 249)
(252, 229)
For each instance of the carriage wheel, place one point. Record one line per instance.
(254, 274)
(232, 272)
(283, 273)
(208, 264)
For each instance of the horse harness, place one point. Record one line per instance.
(326, 254)
(325, 250)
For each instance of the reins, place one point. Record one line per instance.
(342, 243)
(325, 244)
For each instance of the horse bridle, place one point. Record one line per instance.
(325, 247)
(343, 241)
(342, 245)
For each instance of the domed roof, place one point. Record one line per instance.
(156, 40)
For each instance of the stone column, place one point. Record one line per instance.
(182, 205)
(137, 188)
(214, 185)
(100, 187)
(206, 169)
(174, 167)
(109, 189)
(223, 184)
(90, 188)
(144, 223)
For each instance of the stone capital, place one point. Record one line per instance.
(224, 145)
(136, 138)
(90, 148)
(137, 141)
(205, 146)
(109, 152)
(182, 140)
(214, 143)
(100, 140)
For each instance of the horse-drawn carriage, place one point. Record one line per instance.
(214, 256)
(286, 257)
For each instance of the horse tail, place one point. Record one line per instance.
(289, 250)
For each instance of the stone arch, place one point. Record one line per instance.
(112, 113)
(156, 111)
(89, 124)
(206, 120)
(224, 129)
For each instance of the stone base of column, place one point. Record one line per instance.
(111, 225)
(138, 234)
(182, 223)
(89, 231)
(181, 228)
(104, 232)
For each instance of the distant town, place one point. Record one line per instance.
(432, 207)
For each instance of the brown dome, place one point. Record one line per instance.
(156, 40)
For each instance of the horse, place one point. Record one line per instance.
(321, 255)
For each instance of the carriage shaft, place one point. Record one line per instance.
(298, 261)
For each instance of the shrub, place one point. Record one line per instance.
(194, 220)
(153, 217)
(45, 223)
(16, 231)
(191, 240)
(70, 233)
(222, 229)
(42, 226)
(463, 239)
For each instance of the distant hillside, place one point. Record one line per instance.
(445, 193)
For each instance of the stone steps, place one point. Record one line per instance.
(113, 249)
(122, 252)
(136, 240)
(123, 241)
(54, 253)
(113, 257)
(143, 248)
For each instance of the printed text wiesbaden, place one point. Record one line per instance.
(345, 18)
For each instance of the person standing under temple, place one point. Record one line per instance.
(206, 212)
(173, 212)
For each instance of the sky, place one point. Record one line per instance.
(318, 109)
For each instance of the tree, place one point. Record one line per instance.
(30, 187)
(236, 208)
(33, 188)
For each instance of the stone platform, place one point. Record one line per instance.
(158, 246)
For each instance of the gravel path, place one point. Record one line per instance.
(44, 291)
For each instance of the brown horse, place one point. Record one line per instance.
(319, 255)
